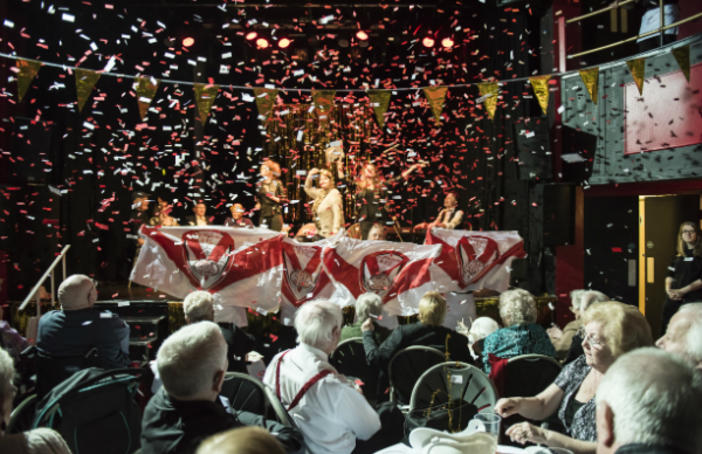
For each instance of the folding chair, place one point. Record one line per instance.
(406, 366)
(349, 358)
(247, 393)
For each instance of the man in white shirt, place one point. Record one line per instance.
(329, 410)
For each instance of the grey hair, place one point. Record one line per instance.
(198, 306)
(575, 298)
(7, 375)
(189, 359)
(693, 337)
(482, 327)
(74, 291)
(517, 306)
(368, 304)
(655, 398)
(315, 322)
(587, 297)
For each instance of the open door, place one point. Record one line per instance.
(659, 219)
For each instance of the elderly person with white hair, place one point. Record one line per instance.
(481, 328)
(331, 413)
(567, 341)
(79, 326)
(649, 402)
(36, 441)
(368, 305)
(610, 330)
(521, 334)
(192, 363)
(684, 334)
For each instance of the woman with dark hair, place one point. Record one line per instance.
(684, 281)
(270, 195)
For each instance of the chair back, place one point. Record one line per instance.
(528, 375)
(406, 366)
(52, 370)
(247, 393)
(349, 358)
(95, 411)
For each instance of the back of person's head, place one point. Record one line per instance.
(190, 359)
(7, 375)
(368, 304)
(517, 306)
(242, 440)
(432, 309)
(75, 292)
(481, 328)
(684, 334)
(198, 306)
(317, 323)
(651, 397)
(575, 298)
(588, 297)
(624, 327)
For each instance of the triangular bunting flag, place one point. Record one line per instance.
(323, 100)
(204, 98)
(85, 81)
(637, 67)
(488, 92)
(380, 100)
(265, 100)
(540, 86)
(145, 89)
(27, 71)
(682, 56)
(591, 79)
(436, 96)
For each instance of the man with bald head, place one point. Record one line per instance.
(683, 335)
(78, 327)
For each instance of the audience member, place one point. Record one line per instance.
(237, 218)
(567, 342)
(521, 334)
(192, 363)
(10, 339)
(331, 413)
(79, 326)
(684, 334)
(427, 331)
(611, 329)
(481, 328)
(649, 402)
(36, 441)
(242, 440)
(368, 305)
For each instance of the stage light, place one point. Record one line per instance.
(261, 43)
(284, 43)
(251, 35)
(188, 41)
(447, 43)
(428, 41)
(361, 35)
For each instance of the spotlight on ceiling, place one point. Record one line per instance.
(251, 35)
(261, 43)
(447, 43)
(284, 43)
(361, 35)
(428, 41)
(188, 41)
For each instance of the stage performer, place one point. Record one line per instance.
(449, 216)
(327, 207)
(199, 216)
(270, 195)
(372, 194)
(334, 160)
(237, 219)
(162, 214)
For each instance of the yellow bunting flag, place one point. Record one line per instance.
(323, 100)
(436, 97)
(205, 95)
(489, 92)
(637, 67)
(591, 78)
(145, 89)
(27, 71)
(682, 56)
(380, 100)
(85, 81)
(265, 100)
(540, 86)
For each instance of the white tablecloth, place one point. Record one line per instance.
(402, 448)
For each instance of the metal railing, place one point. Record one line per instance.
(562, 22)
(49, 273)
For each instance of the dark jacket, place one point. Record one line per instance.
(638, 448)
(173, 426)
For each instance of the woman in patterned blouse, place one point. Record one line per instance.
(610, 330)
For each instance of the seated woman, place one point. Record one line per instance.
(368, 305)
(327, 207)
(567, 341)
(610, 330)
(521, 334)
(427, 331)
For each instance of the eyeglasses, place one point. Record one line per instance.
(593, 340)
(688, 231)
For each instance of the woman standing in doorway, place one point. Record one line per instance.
(684, 281)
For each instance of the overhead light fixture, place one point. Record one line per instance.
(447, 43)
(284, 43)
(188, 41)
(361, 35)
(250, 36)
(428, 41)
(261, 43)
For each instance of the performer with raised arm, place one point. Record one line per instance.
(449, 216)
(327, 206)
(270, 195)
